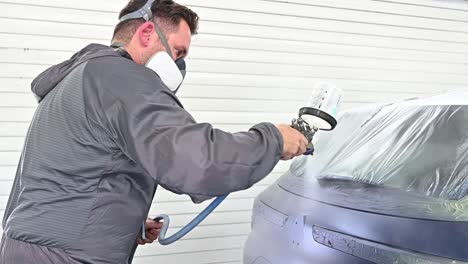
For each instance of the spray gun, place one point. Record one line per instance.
(319, 113)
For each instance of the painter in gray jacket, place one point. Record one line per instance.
(108, 130)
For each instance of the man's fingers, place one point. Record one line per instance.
(301, 145)
(152, 235)
(144, 241)
(302, 149)
(294, 143)
(154, 231)
(303, 142)
(151, 224)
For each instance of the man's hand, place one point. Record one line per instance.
(295, 143)
(152, 232)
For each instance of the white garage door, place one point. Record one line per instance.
(252, 61)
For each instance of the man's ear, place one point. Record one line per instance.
(145, 32)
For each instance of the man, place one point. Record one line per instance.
(108, 130)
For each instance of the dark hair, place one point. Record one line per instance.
(167, 14)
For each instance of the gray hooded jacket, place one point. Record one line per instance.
(106, 132)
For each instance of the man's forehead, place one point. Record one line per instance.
(183, 35)
(184, 28)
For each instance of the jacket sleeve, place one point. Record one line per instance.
(182, 155)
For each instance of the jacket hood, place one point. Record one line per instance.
(47, 80)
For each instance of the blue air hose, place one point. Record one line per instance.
(186, 229)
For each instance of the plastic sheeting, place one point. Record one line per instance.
(419, 147)
(422, 148)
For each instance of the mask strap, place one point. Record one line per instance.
(163, 40)
(144, 12)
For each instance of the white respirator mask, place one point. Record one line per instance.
(172, 73)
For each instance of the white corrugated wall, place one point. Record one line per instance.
(253, 61)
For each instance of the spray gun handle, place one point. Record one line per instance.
(303, 127)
